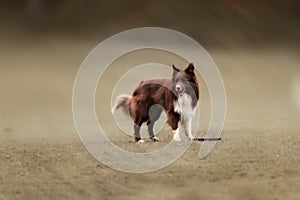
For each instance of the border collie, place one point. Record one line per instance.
(177, 96)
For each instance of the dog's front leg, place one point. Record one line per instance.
(187, 123)
(176, 136)
(173, 119)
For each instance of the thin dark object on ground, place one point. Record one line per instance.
(206, 139)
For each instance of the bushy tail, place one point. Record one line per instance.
(121, 101)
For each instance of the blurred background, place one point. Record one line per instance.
(220, 23)
(43, 42)
(254, 43)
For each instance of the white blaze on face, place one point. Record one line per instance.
(178, 87)
(296, 92)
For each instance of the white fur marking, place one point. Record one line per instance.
(187, 123)
(141, 141)
(183, 106)
(114, 108)
(118, 100)
(176, 136)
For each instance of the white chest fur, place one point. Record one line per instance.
(183, 106)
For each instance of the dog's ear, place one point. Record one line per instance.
(175, 70)
(190, 68)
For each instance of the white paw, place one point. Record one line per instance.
(154, 139)
(141, 141)
(191, 137)
(176, 136)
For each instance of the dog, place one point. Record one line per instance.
(177, 96)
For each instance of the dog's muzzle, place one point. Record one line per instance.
(179, 90)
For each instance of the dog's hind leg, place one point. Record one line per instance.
(137, 135)
(137, 127)
(137, 114)
(154, 115)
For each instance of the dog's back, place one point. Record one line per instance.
(153, 91)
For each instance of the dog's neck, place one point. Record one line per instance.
(183, 105)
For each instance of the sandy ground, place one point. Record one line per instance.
(42, 157)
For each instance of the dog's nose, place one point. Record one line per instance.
(177, 88)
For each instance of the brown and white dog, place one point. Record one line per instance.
(177, 96)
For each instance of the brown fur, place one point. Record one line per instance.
(162, 92)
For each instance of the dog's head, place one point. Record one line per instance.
(184, 80)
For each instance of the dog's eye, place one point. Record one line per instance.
(184, 80)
